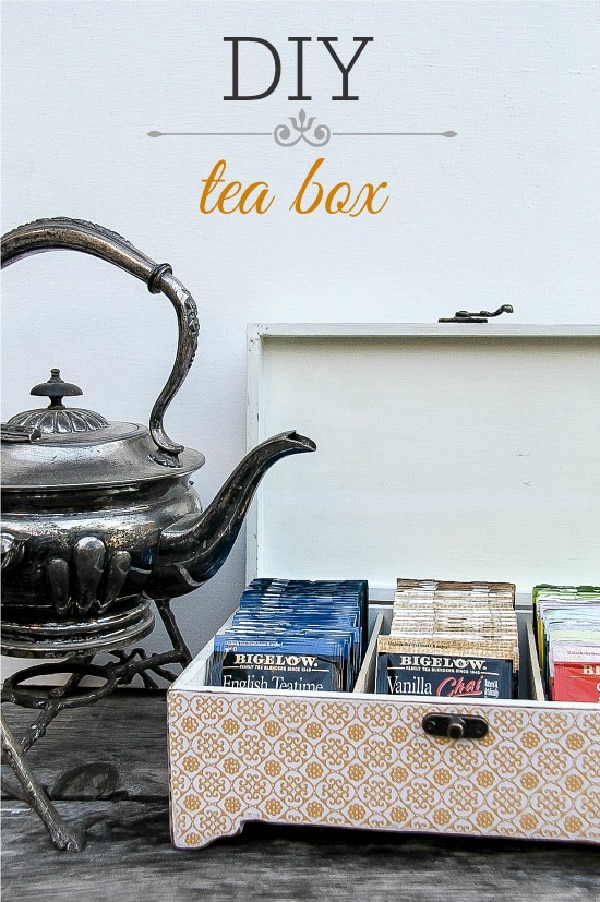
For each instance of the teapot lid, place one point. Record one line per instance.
(56, 419)
(60, 447)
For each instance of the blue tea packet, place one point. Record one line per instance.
(303, 635)
(308, 663)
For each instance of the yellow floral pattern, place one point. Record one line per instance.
(367, 763)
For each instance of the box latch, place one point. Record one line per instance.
(463, 316)
(452, 726)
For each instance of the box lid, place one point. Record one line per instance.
(446, 451)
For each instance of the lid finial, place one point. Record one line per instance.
(56, 389)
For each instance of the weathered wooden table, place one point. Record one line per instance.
(108, 765)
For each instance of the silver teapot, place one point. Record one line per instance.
(99, 518)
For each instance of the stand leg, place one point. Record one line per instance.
(122, 672)
(168, 618)
(62, 836)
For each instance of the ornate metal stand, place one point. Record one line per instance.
(50, 703)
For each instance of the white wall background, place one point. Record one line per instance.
(507, 211)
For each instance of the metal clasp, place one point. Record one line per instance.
(463, 316)
(456, 726)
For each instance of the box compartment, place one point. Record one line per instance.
(363, 761)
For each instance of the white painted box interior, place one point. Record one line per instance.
(443, 451)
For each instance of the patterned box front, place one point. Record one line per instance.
(366, 763)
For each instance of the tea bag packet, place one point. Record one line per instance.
(304, 627)
(446, 667)
(567, 620)
(450, 639)
(561, 623)
(316, 594)
(307, 663)
(546, 598)
(568, 630)
(575, 669)
(301, 635)
(500, 594)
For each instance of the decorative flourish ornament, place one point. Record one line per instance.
(316, 137)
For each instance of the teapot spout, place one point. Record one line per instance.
(194, 548)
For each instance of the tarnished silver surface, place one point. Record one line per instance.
(75, 558)
(62, 835)
(98, 517)
(118, 455)
(74, 234)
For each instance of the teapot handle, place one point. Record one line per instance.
(74, 234)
